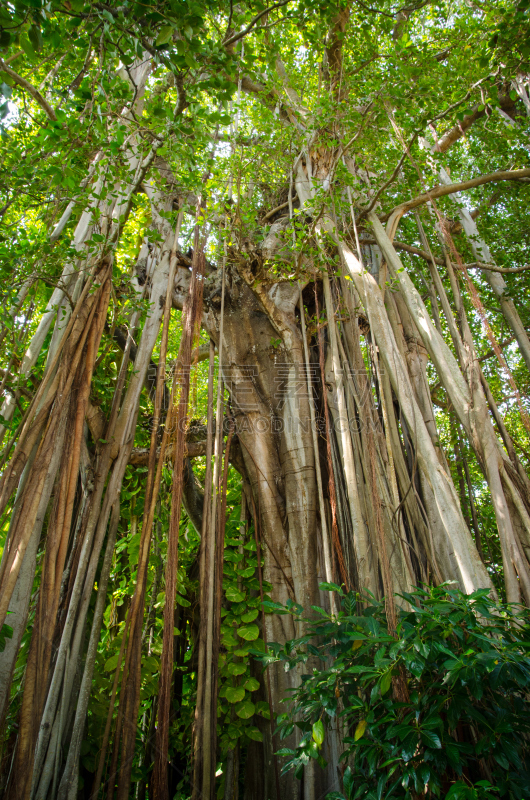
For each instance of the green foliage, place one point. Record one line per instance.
(6, 632)
(240, 634)
(442, 707)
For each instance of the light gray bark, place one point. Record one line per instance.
(70, 778)
(471, 408)
(471, 571)
(20, 599)
(483, 254)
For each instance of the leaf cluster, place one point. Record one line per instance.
(440, 708)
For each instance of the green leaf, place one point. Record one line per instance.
(246, 709)
(236, 669)
(262, 707)
(234, 595)
(386, 682)
(27, 46)
(6, 632)
(318, 732)
(284, 752)
(431, 739)
(248, 632)
(112, 663)
(254, 733)
(250, 616)
(247, 572)
(348, 782)
(181, 601)
(272, 607)
(458, 791)
(234, 694)
(164, 36)
(501, 759)
(251, 685)
(330, 587)
(35, 37)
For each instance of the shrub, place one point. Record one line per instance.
(440, 709)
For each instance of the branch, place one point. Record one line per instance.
(440, 191)
(463, 99)
(334, 45)
(29, 88)
(492, 352)
(473, 265)
(409, 249)
(493, 268)
(437, 386)
(14, 57)
(274, 211)
(457, 131)
(237, 36)
(456, 226)
(453, 134)
(140, 455)
(201, 353)
(268, 98)
(392, 177)
(5, 375)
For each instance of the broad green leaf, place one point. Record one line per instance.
(431, 739)
(164, 36)
(248, 632)
(262, 707)
(181, 601)
(330, 587)
(318, 732)
(236, 669)
(250, 546)
(247, 572)
(459, 791)
(27, 46)
(234, 595)
(235, 729)
(251, 685)
(35, 37)
(254, 733)
(246, 709)
(386, 682)
(272, 607)
(250, 616)
(284, 751)
(234, 694)
(348, 782)
(112, 663)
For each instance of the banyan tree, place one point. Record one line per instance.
(265, 326)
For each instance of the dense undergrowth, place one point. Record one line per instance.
(440, 708)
